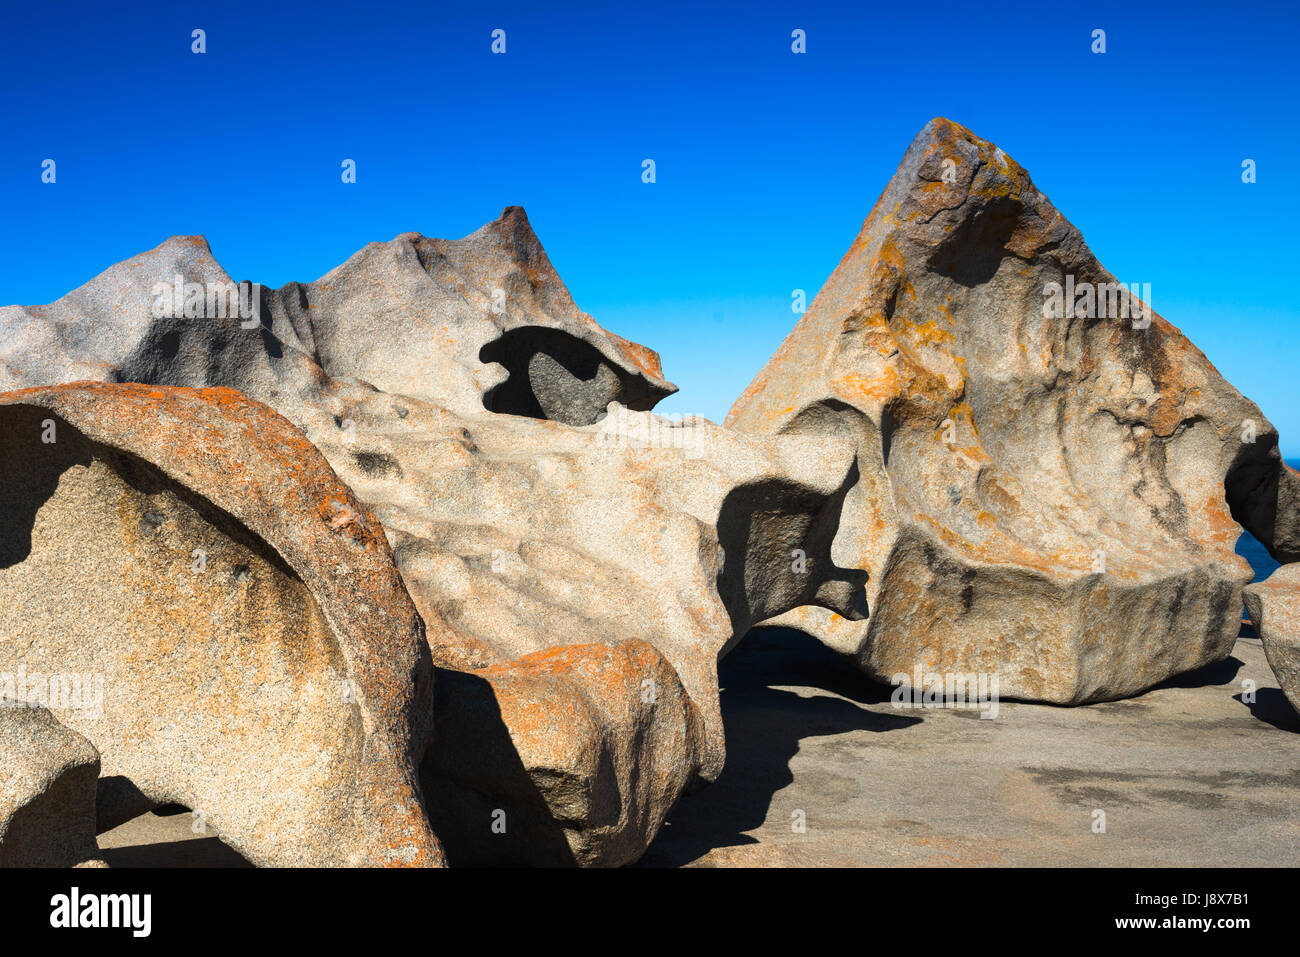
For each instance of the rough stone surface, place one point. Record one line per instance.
(47, 791)
(530, 500)
(480, 322)
(1192, 773)
(1051, 500)
(1274, 606)
(260, 661)
(566, 756)
(517, 535)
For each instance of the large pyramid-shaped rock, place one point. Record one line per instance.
(1050, 472)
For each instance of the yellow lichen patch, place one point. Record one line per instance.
(891, 255)
(927, 333)
(868, 389)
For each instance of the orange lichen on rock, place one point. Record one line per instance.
(1026, 468)
(228, 586)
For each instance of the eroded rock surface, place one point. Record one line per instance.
(477, 323)
(566, 756)
(516, 536)
(1274, 607)
(1047, 494)
(253, 655)
(48, 775)
(532, 503)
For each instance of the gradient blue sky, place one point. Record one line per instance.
(767, 161)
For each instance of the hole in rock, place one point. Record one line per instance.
(171, 835)
(972, 253)
(554, 375)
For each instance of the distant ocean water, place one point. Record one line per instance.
(1249, 548)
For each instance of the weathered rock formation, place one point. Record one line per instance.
(1265, 497)
(1274, 607)
(47, 789)
(974, 433)
(531, 505)
(1051, 476)
(480, 323)
(239, 636)
(566, 756)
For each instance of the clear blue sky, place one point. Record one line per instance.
(767, 161)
